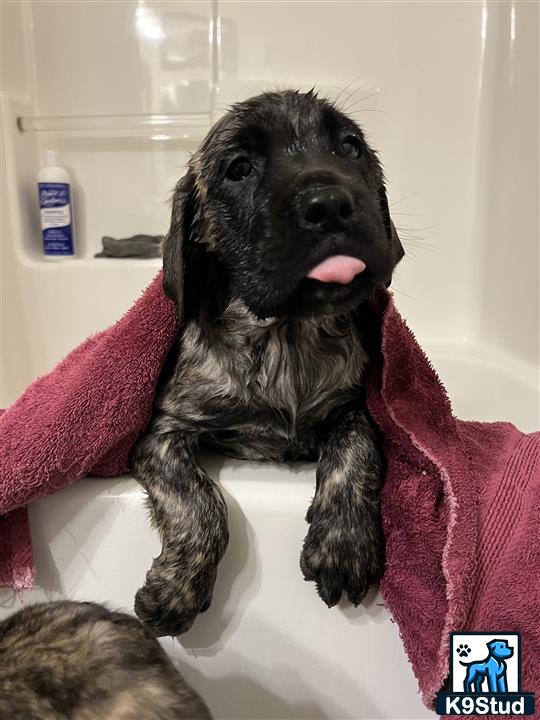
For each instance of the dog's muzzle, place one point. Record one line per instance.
(326, 208)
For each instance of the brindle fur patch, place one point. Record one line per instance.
(79, 661)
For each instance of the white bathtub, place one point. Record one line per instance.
(449, 94)
(268, 647)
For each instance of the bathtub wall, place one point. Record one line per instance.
(447, 92)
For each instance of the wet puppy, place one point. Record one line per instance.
(280, 232)
(79, 661)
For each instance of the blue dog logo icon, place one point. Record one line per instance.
(489, 686)
(493, 669)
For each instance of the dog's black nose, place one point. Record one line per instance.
(326, 207)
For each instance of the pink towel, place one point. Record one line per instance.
(460, 502)
(80, 419)
(461, 514)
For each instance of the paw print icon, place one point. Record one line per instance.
(463, 650)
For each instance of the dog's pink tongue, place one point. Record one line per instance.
(337, 269)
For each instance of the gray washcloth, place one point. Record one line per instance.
(137, 246)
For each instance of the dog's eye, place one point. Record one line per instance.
(351, 146)
(239, 169)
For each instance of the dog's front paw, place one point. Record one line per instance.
(342, 556)
(168, 604)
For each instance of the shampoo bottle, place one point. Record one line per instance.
(56, 209)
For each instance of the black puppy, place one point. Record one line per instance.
(280, 231)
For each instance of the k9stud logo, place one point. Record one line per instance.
(485, 676)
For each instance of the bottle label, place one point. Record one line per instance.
(55, 209)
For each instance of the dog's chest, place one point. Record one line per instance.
(261, 390)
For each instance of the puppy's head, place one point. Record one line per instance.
(285, 204)
(500, 649)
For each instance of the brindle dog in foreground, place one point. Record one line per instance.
(79, 661)
(280, 232)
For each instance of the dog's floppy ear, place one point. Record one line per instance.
(182, 229)
(396, 247)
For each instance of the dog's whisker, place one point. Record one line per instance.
(420, 242)
(407, 197)
(419, 245)
(350, 107)
(417, 229)
(410, 254)
(347, 86)
(359, 111)
(351, 96)
(418, 235)
(399, 291)
(414, 244)
(413, 251)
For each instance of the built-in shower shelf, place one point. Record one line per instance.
(176, 126)
(41, 263)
